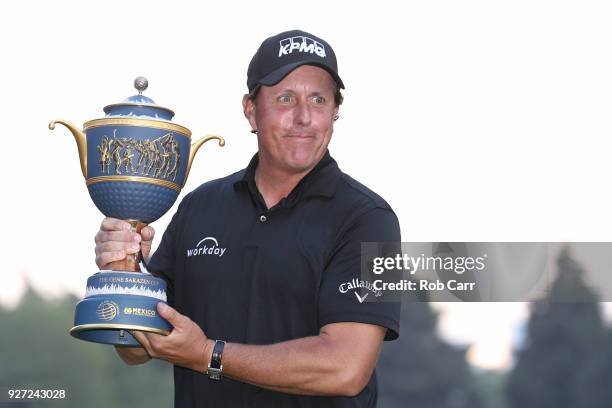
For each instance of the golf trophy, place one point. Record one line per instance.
(135, 161)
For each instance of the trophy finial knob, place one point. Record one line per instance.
(141, 84)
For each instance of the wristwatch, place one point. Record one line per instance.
(215, 368)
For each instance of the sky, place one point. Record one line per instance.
(475, 120)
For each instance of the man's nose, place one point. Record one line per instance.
(302, 113)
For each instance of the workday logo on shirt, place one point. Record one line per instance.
(207, 246)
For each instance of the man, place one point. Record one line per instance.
(285, 235)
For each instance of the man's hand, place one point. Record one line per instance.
(115, 240)
(132, 355)
(186, 346)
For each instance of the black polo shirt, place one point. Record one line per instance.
(253, 275)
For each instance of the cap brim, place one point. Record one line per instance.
(275, 77)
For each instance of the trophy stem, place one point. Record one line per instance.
(132, 262)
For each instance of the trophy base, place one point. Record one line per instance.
(107, 334)
(116, 302)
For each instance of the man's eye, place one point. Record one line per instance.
(284, 99)
(318, 99)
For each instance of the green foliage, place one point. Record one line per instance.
(491, 386)
(566, 361)
(591, 388)
(421, 370)
(36, 351)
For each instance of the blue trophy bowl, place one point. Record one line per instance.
(135, 172)
(135, 160)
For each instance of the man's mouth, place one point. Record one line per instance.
(299, 135)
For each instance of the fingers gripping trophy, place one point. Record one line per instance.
(135, 161)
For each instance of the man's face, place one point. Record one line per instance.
(294, 119)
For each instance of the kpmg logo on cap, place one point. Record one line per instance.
(301, 44)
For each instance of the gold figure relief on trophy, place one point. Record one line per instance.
(159, 157)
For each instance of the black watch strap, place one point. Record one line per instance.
(215, 368)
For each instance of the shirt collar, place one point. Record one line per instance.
(319, 182)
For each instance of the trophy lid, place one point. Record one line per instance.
(139, 106)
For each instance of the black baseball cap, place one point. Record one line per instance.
(277, 56)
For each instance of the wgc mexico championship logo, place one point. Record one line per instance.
(107, 310)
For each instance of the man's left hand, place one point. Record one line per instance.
(184, 346)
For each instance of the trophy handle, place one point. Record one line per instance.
(79, 138)
(196, 146)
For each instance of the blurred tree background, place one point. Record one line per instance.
(36, 351)
(421, 370)
(565, 361)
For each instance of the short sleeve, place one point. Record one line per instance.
(341, 298)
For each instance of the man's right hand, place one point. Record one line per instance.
(115, 240)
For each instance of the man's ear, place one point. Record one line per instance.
(335, 114)
(248, 107)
